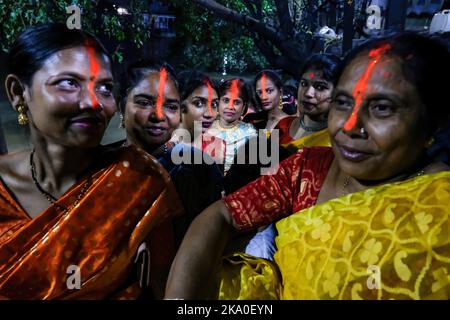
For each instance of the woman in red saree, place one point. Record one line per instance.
(75, 217)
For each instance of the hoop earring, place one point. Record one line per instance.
(121, 122)
(22, 118)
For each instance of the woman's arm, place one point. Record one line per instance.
(199, 254)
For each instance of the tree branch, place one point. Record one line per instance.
(280, 40)
(284, 17)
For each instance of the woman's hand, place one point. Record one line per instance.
(199, 255)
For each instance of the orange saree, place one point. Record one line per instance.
(131, 201)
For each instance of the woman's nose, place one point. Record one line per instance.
(89, 100)
(309, 93)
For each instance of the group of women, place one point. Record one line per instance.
(357, 189)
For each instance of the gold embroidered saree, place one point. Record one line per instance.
(387, 242)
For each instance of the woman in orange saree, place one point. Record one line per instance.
(75, 217)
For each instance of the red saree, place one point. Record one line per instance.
(130, 201)
(295, 186)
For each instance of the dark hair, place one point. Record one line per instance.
(37, 43)
(244, 92)
(272, 75)
(423, 61)
(136, 72)
(328, 64)
(190, 80)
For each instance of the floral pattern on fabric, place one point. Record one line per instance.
(294, 186)
(397, 248)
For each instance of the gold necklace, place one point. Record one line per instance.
(347, 179)
(49, 196)
(233, 128)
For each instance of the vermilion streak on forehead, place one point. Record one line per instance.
(361, 86)
(162, 84)
(234, 92)
(263, 85)
(94, 69)
(208, 85)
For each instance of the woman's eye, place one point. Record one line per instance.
(172, 107)
(303, 83)
(215, 104)
(269, 91)
(199, 104)
(105, 89)
(342, 104)
(225, 100)
(144, 103)
(259, 92)
(68, 84)
(320, 87)
(382, 109)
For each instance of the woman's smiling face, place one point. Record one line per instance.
(144, 125)
(391, 114)
(67, 103)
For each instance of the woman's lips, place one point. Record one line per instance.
(206, 124)
(353, 154)
(229, 114)
(87, 123)
(156, 131)
(308, 106)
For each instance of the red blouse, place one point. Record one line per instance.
(284, 125)
(295, 186)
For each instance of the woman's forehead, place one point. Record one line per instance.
(150, 83)
(385, 71)
(76, 55)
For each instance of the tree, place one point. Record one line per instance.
(282, 30)
(204, 41)
(97, 16)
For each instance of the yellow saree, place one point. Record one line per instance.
(317, 139)
(129, 202)
(387, 242)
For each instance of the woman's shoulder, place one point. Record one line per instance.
(247, 127)
(285, 122)
(14, 163)
(132, 157)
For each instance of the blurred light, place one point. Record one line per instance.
(122, 11)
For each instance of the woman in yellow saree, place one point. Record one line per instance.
(77, 220)
(367, 218)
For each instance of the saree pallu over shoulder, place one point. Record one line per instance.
(129, 202)
(387, 242)
(317, 139)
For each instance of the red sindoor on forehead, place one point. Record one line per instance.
(94, 70)
(208, 85)
(360, 89)
(263, 85)
(162, 84)
(234, 92)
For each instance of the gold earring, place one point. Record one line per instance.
(121, 122)
(280, 103)
(22, 118)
